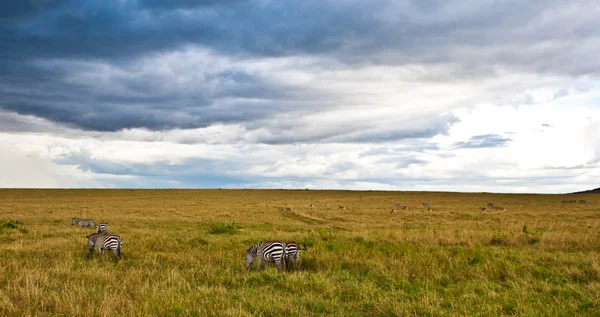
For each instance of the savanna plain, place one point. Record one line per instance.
(183, 254)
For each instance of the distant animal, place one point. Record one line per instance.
(585, 201)
(270, 251)
(404, 207)
(398, 205)
(83, 222)
(569, 201)
(341, 207)
(292, 250)
(105, 241)
(490, 205)
(393, 211)
(427, 206)
(102, 227)
(482, 209)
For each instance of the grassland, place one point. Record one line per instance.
(183, 254)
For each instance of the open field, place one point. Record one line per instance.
(183, 254)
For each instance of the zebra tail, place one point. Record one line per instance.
(119, 249)
(285, 257)
(304, 246)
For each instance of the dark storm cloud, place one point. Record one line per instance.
(524, 35)
(483, 141)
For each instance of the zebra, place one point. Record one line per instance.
(105, 241)
(490, 205)
(83, 222)
(427, 206)
(270, 251)
(585, 201)
(102, 227)
(292, 251)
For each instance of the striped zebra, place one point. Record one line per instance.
(83, 222)
(105, 241)
(292, 250)
(270, 251)
(102, 227)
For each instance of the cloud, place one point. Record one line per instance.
(336, 94)
(483, 141)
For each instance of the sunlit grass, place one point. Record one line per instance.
(183, 254)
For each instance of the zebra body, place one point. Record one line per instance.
(292, 250)
(101, 228)
(270, 251)
(83, 222)
(105, 241)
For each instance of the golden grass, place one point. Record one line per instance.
(183, 254)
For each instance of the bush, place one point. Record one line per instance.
(222, 228)
(12, 224)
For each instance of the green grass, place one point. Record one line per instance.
(183, 254)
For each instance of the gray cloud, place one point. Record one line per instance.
(483, 141)
(475, 38)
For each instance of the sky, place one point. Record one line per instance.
(423, 95)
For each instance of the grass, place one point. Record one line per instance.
(183, 254)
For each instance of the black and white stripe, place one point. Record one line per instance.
(83, 222)
(270, 251)
(102, 227)
(105, 241)
(292, 250)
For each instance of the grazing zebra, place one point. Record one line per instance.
(490, 205)
(398, 205)
(102, 227)
(427, 206)
(585, 201)
(270, 251)
(292, 251)
(83, 222)
(105, 241)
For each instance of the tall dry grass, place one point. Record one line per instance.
(183, 254)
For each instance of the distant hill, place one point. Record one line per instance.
(591, 191)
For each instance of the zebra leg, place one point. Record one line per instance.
(279, 264)
(296, 260)
(258, 264)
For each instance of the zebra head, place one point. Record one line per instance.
(74, 221)
(250, 254)
(92, 241)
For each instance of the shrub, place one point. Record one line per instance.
(222, 228)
